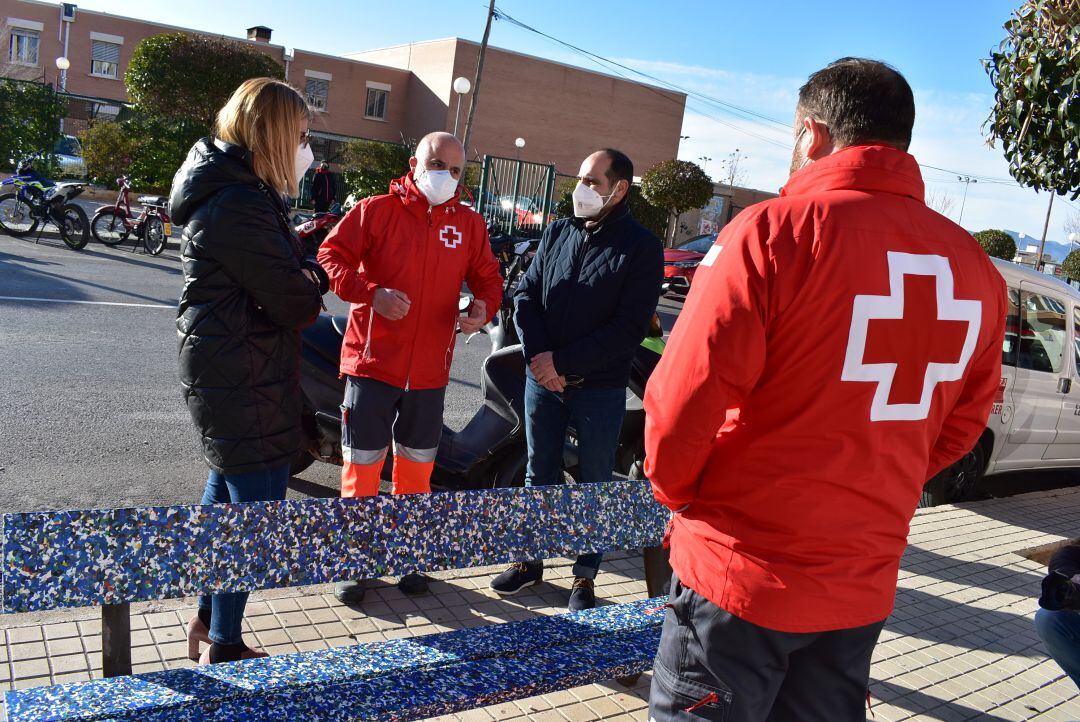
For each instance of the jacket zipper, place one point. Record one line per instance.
(370, 323)
(423, 282)
(579, 260)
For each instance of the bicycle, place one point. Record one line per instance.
(113, 224)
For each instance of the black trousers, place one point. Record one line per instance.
(714, 666)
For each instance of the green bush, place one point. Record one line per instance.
(368, 166)
(107, 152)
(147, 148)
(997, 244)
(1071, 265)
(31, 115)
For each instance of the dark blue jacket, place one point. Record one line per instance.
(589, 295)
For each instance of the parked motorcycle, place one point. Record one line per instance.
(490, 451)
(27, 201)
(152, 226)
(314, 229)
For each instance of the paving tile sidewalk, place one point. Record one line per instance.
(959, 645)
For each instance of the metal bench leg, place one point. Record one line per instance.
(115, 640)
(657, 570)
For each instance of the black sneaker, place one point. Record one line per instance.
(349, 592)
(517, 577)
(413, 583)
(582, 595)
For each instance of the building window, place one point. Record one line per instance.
(24, 46)
(318, 90)
(105, 59)
(376, 104)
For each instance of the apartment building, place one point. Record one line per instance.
(561, 112)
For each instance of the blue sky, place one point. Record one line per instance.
(753, 54)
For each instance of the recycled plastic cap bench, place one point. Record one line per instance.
(113, 557)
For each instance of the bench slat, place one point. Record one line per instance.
(86, 558)
(402, 679)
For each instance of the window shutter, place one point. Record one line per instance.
(105, 52)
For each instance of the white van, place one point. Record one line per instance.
(1035, 421)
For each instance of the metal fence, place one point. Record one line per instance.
(516, 196)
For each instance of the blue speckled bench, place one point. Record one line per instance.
(114, 557)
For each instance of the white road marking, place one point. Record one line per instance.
(86, 303)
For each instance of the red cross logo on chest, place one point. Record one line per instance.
(908, 342)
(450, 236)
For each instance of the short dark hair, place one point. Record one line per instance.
(862, 101)
(622, 168)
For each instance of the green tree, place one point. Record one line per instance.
(677, 186)
(1071, 265)
(31, 125)
(997, 244)
(189, 77)
(368, 166)
(1036, 115)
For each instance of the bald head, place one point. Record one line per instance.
(439, 151)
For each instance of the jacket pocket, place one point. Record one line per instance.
(449, 356)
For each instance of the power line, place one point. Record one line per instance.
(702, 98)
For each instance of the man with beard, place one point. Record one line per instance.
(841, 345)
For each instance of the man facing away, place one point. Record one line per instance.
(582, 309)
(840, 346)
(400, 259)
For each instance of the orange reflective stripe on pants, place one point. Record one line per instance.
(412, 477)
(360, 479)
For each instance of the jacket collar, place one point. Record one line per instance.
(236, 151)
(877, 168)
(405, 189)
(618, 214)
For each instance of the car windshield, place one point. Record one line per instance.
(701, 244)
(67, 145)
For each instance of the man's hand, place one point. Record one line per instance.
(543, 370)
(476, 318)
(390, 304)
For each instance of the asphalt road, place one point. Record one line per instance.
(90, 408)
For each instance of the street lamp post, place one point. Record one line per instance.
(461, 86)
(62, 64)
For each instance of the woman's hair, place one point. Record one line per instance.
(266, 116)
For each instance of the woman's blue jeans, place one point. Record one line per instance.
(227, 610)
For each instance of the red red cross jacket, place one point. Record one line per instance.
(400, 241)
(841, 344)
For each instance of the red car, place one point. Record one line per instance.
(681, 261)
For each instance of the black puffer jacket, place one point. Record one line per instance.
(244, 302)
(589, 295)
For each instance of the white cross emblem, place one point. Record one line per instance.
(450, 236)
(949, 308)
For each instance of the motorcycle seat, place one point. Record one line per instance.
(153, 200)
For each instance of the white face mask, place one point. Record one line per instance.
(304, 157)
(588, 203)
(438, 186)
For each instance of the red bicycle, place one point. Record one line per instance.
(113, 224)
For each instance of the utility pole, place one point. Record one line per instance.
(966, 180)
(476, 82)
(1042, 243)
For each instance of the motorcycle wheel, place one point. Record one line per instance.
(74, 226)
(109, 228)
(15, 218)
(154, 238)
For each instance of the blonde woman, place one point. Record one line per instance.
(248, 291)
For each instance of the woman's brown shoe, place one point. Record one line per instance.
(197, 633)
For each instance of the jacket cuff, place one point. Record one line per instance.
(563, 363)
(312, 265)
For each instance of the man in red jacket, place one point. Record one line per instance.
(841, 345)
(400, 260)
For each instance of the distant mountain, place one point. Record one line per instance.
(1056, 250)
